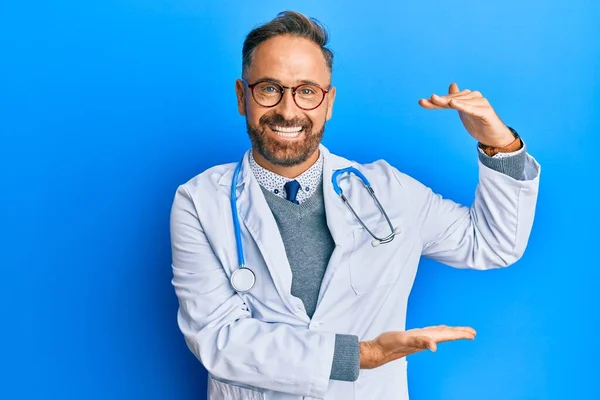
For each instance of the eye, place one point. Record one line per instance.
(268, 88)
(307, 91)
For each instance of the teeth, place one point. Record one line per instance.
(287, 132)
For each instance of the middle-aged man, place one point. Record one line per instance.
(292, 280)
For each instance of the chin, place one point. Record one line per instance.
(285, 158)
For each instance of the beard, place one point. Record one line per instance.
(283, 152)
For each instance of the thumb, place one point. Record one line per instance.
(425, 342)
(432, 345)
(453, 88)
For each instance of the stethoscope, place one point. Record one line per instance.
(243, 279)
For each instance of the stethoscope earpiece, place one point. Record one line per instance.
(375, 242)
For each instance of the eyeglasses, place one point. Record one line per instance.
(269, 94)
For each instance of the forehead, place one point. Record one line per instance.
(289, 59)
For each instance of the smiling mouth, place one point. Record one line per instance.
(286, 132)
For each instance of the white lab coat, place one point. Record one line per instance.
(262, 344)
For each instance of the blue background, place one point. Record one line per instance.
(107, 106)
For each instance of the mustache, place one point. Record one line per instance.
(279, 120)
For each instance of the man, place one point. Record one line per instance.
(318, 310)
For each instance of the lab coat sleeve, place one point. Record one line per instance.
(219, 329)
(493, 232)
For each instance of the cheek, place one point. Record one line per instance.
(318, 118)
(253, 114)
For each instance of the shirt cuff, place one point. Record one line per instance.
(511, 164)
(346, 358)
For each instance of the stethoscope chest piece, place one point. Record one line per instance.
(243, 279)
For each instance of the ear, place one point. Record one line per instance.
(331, 96)
(241, 100)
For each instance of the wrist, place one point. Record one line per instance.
(501, 139)
(508, 145)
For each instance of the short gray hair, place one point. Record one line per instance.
(287, 23)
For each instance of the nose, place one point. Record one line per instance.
(287, 106)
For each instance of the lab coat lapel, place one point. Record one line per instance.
(338, 219)
(335, 210)
(257, 217)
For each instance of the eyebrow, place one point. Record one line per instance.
(300, 81)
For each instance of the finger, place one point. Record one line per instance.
(442, 101)
(443, 333)
(426, 103)
(460, 330)
(464, 334)
(453, 88)
(468, 108)
(432, 345)
(468, 329)
(456, 94)
(478, 101)
(458, 334)
(466, 95)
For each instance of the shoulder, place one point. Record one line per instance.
(376, 170)
(205, 182)
(382, 174)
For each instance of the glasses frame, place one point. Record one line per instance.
(251, 86)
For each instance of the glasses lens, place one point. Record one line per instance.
(309, 96)
(267, 94)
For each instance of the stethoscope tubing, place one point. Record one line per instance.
(243, 279)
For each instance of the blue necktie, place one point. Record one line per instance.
(291, 191)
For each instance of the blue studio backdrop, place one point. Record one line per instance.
(107, 106)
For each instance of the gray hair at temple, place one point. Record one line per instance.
(287, 23)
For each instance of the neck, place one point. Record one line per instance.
(288, 172)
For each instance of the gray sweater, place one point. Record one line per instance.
(308, 245)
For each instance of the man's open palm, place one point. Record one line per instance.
(390, 346)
